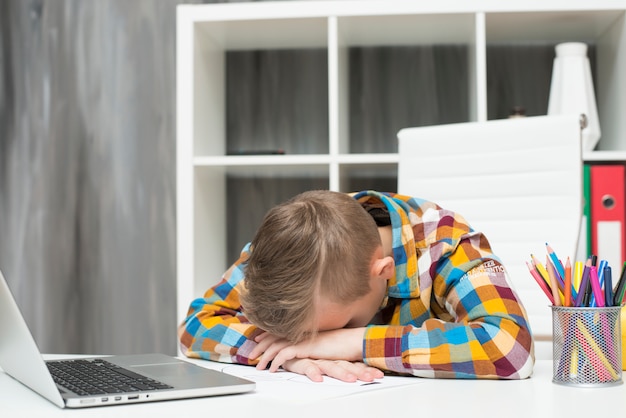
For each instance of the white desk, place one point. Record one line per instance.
(536, 396)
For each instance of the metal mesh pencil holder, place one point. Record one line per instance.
(586, 346)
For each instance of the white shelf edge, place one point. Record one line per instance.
(616, 156)
(325, 159)
(283, 160)
(371, 158)
(311, 9)
(260, 160)
(349, 159)
(389, 158)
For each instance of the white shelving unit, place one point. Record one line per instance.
(205, 33)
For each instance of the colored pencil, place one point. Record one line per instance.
(540, 268)
(542, 284)
(578, 274)
(555, 260)
(554, 284)
(583, 284)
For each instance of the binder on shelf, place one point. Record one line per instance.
(608, 213)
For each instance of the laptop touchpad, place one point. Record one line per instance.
(186, 375)
(166, 370)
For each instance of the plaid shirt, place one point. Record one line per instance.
(451, 311)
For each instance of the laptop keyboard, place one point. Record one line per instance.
(98, 377)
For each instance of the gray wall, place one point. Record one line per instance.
(87, 171)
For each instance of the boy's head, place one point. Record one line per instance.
(313, 251)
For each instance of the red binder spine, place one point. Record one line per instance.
(608, 214)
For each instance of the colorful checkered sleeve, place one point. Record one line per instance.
(215, 328)
(453, 311)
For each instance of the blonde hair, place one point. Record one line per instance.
(317, 244)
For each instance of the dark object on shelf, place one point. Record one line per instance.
(257, 152)
(517, 112)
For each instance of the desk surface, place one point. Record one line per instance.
(536, 396)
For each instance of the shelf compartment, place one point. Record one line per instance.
(277, 99)
(393, 77)
(395, 87)
(520, 75)
(216, 60)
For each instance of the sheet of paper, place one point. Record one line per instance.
(296, 388)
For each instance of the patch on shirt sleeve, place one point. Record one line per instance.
(489, 267)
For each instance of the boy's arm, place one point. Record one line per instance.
(480, 329)
(215, 328)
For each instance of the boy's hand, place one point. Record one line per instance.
(345, 371)
(343, 347)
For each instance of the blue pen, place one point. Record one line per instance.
(608, 286)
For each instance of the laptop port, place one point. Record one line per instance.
(118, 398)
(133, 397)
(104, 400)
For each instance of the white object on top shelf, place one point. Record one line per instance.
(571, 89)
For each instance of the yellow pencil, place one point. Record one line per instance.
(578, 274)
(540, 269)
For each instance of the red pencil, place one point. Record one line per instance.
(540, 281)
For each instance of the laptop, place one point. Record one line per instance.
(127, 378)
